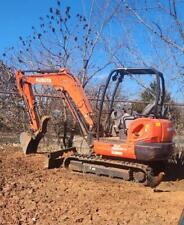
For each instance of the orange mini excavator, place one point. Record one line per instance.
(147, 138)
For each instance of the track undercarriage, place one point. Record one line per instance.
(94, 164)
(112, 168)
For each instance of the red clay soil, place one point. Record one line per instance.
(30, 194)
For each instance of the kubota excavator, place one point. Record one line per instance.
(147, 136)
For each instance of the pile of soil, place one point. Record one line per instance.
(30, 194)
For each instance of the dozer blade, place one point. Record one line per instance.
(55, 159)
(29, 143)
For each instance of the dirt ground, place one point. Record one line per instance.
(30, 194)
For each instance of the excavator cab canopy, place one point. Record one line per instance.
(117, 76)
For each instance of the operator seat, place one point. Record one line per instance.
(149, 109)
(126, 120)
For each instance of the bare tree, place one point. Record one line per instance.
(66, 38)
(160, 24)
(10, 105)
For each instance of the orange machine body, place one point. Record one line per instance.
(148, 139)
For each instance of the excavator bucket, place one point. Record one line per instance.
(29, 143)
(26, 142)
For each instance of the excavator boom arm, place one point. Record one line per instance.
(63, 81)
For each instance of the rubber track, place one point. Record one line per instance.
(96, 160)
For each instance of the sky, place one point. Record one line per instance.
(18, 16)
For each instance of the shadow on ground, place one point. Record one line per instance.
(174, 171)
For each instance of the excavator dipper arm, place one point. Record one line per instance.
(72, 92)
(25, 90)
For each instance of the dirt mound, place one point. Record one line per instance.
(30, 194)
